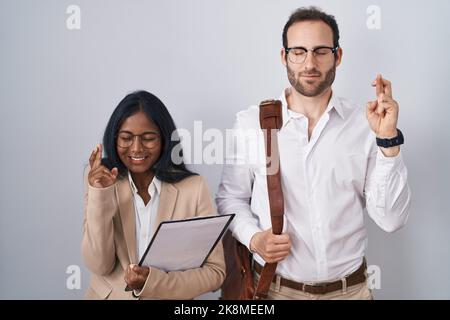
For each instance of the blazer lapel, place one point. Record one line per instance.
(127, 216)
(167, 200)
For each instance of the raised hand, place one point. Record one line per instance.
(99, 176)
(382, 113)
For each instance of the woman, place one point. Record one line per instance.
(128, 193)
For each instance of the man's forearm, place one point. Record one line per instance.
(390, 152)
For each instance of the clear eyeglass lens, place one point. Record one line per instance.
(147, 140)
(298, 55)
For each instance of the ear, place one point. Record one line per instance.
(283, 56)
(339, 56)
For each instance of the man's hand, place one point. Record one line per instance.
(99, 176)
(271, 247)
(382, 114)
(136, 276)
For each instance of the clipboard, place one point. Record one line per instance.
(179, 245)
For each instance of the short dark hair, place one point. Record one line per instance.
(164, 168)
(308, 14)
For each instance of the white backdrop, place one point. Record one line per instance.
(206, 60)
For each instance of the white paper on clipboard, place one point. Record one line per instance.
(185, 244)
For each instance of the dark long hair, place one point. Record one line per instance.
(164, 168)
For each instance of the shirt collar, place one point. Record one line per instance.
(155, 185)
(334, 103)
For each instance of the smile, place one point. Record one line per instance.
(137, 160)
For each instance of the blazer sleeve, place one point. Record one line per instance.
(190, 283)
(97, 247)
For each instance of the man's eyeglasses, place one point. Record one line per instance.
(298, 54)
(148, 140)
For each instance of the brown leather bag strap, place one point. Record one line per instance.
(271, 120)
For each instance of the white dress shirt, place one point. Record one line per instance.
(145, 214)
(327, 183)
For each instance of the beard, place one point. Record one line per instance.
(308, 90)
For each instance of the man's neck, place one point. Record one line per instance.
(310, 107)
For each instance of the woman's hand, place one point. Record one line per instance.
(136, 276)
(99, 176)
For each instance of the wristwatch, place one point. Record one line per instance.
(388, 143)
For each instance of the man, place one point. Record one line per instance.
(332, 168)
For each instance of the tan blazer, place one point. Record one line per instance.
(109, 241)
